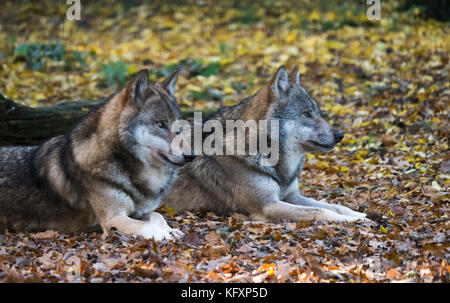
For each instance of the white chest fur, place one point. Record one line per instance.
(157, 178)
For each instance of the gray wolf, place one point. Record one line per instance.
(230, 183)
(111, 170)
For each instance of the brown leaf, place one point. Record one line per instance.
(445, 167)
(393, 274)
(388, 140)
(244, 248)
(193, 239)
(147, 271)
(48, 234)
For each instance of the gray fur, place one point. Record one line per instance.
(226, 184)
(111, 170)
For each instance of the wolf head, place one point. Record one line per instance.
(148, 112)
(286, 100)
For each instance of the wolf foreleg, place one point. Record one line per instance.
(156, 228)
(301, 200)
(278, 210)
(295, 197)
(112, 209)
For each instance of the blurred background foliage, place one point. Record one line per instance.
(385, 83)
(46, 58)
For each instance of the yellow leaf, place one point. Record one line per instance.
(331, 16)
(314, 16)
(291, 37)
(193, 88)
(436, 186)
(268, 268)
(228, 90)
(361, 155)
(169, 210)
(333, 44)
(132, 70)
(323, 164)
(344, 169)
(226, 61)
(39, 96)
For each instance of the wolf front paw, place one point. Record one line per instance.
(158, 234)
(158, 229)
(346, 218)
(329, 215)
(342, 210)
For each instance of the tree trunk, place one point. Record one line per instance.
(23, 125)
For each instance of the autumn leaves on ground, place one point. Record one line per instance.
(385, 83)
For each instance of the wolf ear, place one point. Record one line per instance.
(138, 86)
(170, 82)
(294, 76)
(279, 83)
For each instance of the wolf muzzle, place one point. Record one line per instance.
(189, 158)
(338, 136)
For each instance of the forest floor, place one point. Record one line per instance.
(384, 83)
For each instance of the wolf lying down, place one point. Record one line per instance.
(115, 167)
(227, 184)
(112, 169)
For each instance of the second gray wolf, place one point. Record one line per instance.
(239, 183)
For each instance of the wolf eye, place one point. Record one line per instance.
(307, 114)
(161, 124)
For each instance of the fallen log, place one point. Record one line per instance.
(23, 125)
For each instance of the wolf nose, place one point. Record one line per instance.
(189, 158)
(339, 136)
